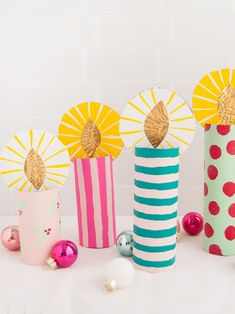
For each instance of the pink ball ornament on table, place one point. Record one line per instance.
(63, 254)
(192, 223)
(10, 238)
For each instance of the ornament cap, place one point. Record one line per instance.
(110, 285)
(52, 263)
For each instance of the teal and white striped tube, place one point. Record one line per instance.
(155, 208)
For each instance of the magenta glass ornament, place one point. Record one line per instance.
(10, 238)
(63, 254)
(192, 223)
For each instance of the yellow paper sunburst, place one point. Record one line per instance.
(214, 98)
(91, 129)
(157, 117)
(34, 160)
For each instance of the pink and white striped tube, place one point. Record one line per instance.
(95, 202)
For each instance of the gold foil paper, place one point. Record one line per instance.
(34, 169)
(226, 105)
(156, 124)
(90, 138)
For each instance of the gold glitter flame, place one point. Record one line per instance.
(226, 105)
(156, 124)
(90, 138)
(35, 169)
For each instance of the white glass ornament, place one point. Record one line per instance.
(119, 274)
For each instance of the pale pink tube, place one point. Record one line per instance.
(95, 202)
(39, 224)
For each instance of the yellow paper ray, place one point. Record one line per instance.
(153, 97)
(54, 180)
(171, 98)
(58, 166)
(55, 154)
(179, 139)
(31, 137)
(181, 119)
(136, 142)
(23, 185)
(56, 174)
(132, 120)
(15, 182)
(12, 160)
(144, 101)
(15, 152)
(40, 141)
(19, 142)
(132, 132)
(11, 171)
(137, 108)
(48, 145)
(178, 107)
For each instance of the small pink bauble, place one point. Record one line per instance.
(10, 238)
(63, 254)
(192, 223)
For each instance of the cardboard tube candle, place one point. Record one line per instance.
(155, 208)
(219, 190)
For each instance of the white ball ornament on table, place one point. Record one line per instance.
(120, 274)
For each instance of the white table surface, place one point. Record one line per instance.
(200, 283)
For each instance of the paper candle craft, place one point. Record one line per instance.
(162, 123)
(91, 129)
(219, 190)
(214, 98)
(155, 118)
(34, 160)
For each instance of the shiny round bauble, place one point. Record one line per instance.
(124, 243)
(120, 274)
(192, 223)
(63, 254)
(10, 238)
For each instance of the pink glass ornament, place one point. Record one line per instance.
(63, 254)
(10, 238)
(192, 223)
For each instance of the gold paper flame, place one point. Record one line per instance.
(226, 105)
(90, 138)
(156, 124)
(35, 169)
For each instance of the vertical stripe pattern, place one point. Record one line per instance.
(155, 208)
(95, 202)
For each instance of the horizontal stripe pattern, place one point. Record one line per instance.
(157, 264)
(155, 217)
(156, 153)
(157, 170)
(148, 209)
(154, 256)
(157, 162)
(156, 193)
(154, 249)
(156, 186)
(155, 201)
(155, 208)
(154, 224)
(156, 179)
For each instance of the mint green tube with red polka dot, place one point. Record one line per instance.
(219, 190)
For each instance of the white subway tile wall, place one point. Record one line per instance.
(56, 53)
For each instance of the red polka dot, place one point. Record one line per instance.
(231, 210)
(205, 189)
(229, 188)
(223, 129)
(213, 208)
(230, 233)
(215, 152)
(207, 127)
(231, 147)
(215, 249)
(212, 172)
(209, 231)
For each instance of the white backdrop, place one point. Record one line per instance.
(56, 53)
